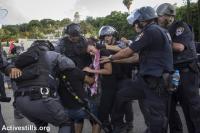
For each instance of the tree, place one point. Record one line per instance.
(33, 24)
(65, 22)
(119, 21)
(88, 29)
(182, 15)
(48, 26)
(128, 4)
(13, 29)
(90, 20)
(115, 19)
(188, 11)
(35, 29)
(23, 27)
(91, 26)
(47, 22)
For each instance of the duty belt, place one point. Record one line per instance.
(184, 70)
(192, 66)
(36, 93)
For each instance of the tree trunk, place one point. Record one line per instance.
(188, 12)
(199, 20)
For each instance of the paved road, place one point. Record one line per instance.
(7, 110)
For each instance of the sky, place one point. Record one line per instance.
(21, 11)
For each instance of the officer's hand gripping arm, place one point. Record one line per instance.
(15, 73)
(178, 47)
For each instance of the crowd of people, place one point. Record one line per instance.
(98, 79)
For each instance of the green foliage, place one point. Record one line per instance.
(88, 28)
(8, 32)
(115, 19)
(127, 3)
(119, 21)
(194, 18)
(91, 26)
(65, 22)
(11, 29)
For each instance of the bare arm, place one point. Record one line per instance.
(106, 70)
(113, 48)
(123, 53)
(178, 47)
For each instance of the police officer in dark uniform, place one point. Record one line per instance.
(3, 97)
(74, 46)
(36, 96)
(156, 60)
(109, 37)
(11, 58)
(14, 73)
(185, 60)
(197, 44)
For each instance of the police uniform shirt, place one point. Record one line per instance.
(155, 56)
(182, 33)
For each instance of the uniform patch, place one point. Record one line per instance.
(169, 37)
(139, 37)
(179, 31)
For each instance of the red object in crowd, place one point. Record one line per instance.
(12, 45)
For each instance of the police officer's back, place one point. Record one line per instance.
(37, 96)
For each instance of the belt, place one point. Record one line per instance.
(22, 93)
(42, 92)
(152, 81)
(184, 70)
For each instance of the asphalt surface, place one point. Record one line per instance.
(8, 114)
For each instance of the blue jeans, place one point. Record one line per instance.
(79, 114)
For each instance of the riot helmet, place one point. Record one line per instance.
(142, 14)
(166, 9)
(43, 43)
(73, 29)
(106, 31)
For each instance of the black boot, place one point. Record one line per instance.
(18, 114)
(108, 127)
(120, 128)
(129, 127)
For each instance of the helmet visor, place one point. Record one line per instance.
(106, 30)
(133, 17)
